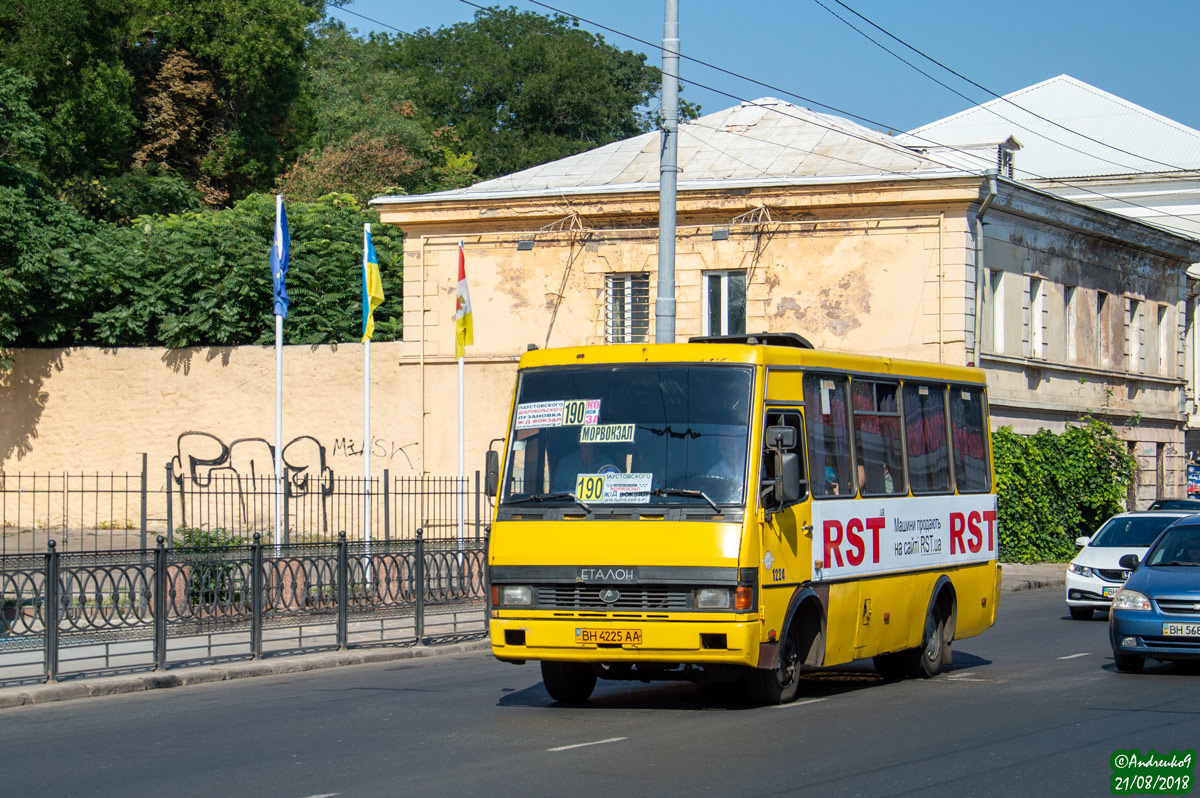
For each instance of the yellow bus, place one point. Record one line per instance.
(739, 507)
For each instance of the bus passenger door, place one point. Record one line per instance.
(787, 528)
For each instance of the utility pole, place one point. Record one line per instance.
(668, 171)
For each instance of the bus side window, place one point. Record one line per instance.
(877, 438)
(781, 418)
(967, 419)
(827, 428)
(925, 435)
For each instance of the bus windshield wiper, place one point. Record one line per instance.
(538, 498)
(695, 494)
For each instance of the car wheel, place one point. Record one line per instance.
(568, 682)
(1129, 663)
(1081, 613)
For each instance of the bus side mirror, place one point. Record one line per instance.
(491, 473)
(781, 437)
(787, 485)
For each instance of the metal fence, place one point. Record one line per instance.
(97, 512)
(60, 600)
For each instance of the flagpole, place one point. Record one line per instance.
(366, 413)
(280, 245)
(462, 485)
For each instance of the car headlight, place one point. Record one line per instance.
(713, 598)
(516, 595)
(1079, 570)
(1130, 600)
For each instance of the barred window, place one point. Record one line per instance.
(627, 319)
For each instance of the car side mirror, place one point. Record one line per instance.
(787, 485)
(1082, 540)
(1129, 562)
(491, 471)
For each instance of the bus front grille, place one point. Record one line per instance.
(628, 598)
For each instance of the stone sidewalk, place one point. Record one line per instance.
(1015, 577)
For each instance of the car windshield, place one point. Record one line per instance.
(1178, 546)
(1131, 530)
(1192, 505)
(636, 434)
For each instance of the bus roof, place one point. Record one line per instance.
(756, 354)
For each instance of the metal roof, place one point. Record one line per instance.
(1060, 123)
(764, 142)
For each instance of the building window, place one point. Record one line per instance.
(627, 319)
(1037, 317)
(995, 316)
(1070, 324)
(724, 303)
(1136, 338)
(1166, 341)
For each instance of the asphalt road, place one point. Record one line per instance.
(1032, 707)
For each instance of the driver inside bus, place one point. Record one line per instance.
(729, 467)
(585, 458)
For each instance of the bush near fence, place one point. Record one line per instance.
(1052, 488)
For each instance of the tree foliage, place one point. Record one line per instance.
(522, 89)
(1052, 488)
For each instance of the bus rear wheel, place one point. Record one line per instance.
(926, 662)
(780, 684)
(568, 682)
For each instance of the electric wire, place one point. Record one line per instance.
(1158, 212)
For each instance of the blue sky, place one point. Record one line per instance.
(1141, 51)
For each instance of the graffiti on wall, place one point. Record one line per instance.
(243, 473)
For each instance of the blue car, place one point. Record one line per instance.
(1157, 613)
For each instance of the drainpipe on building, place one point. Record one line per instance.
(979, 270)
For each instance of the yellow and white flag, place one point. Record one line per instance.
(464, 328)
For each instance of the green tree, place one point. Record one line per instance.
(366, 135)
(522, 89)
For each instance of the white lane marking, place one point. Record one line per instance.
(594, 742)
(798, 703)
(323, 795)
(1074, 656)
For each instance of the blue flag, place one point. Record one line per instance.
(279, 258)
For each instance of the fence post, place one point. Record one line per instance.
(160, 605)
(487, 582)
(387, 507)
(419, 587)
(170, 504)
(256, 597)
(50, 613)
(145, 476)
(343, 594)
(287, 494)
(476, 507)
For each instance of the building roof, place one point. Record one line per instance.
(764, 142)
(1060, 123)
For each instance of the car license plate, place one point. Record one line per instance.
(1181, 630)
(1110, 590)
(623, 637)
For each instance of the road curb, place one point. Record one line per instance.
(141, 682)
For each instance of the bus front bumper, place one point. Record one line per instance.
(620, 640)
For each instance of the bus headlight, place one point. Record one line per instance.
(516, 595)
(713, 598)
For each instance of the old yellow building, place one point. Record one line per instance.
(790, 220)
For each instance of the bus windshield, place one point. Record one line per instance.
(630, 434)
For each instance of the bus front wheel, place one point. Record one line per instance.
(568, 682)
(780, 684)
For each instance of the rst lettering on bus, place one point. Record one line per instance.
(739, 508)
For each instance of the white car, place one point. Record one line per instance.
(1095, 575)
